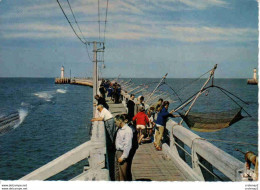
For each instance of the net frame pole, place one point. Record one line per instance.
(164, 77)
(200, 92)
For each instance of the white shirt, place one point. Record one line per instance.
(124, 140)
(150, 122)
(105, 114)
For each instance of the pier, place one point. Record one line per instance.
(185, 157)
(75, 81)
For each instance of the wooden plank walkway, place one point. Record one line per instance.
(152, 165)
(149, 164)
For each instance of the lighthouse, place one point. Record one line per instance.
(62, 72)
(254, 79)
(254, 76)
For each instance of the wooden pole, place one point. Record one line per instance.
(157, 86)
(200, 92)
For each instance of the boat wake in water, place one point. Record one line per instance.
(12, 120)
(62, 91)
(46, 95)
(9, 121)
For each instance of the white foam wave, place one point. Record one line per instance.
(25, 104)
(22, 115)
(44, 95)
(63, 91)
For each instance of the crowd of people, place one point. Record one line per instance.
(113, 91)
(140, 125)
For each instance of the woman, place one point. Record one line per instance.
(161, 124)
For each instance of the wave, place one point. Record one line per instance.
(62, 91)
(47, 96)
(12, 120)
(22, 115)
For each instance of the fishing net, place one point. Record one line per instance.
(213, 121)
(214, 110)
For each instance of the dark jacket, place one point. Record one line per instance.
(162, 117)
(103, 102)
(131, 109)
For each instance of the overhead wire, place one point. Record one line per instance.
(69, 22)
(76, 21)
(105, 22)
(98, 21)
(83, 39)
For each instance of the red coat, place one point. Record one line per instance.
(141, 118)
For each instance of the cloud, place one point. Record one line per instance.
(134, 31)
(211, 34)
(203, 4)
(128, 20)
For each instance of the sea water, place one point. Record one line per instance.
(53, 120)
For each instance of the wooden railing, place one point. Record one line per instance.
(203, 155)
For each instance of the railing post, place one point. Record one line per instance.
(195, 161)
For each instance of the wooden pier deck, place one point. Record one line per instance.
(149, 164)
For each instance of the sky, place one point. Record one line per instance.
(143, 38)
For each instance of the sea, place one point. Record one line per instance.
(55, 118)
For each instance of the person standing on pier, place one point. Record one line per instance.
(102, 91)
(107, 117)
(102, 101)
(158, 107)
(139, 103)
(123, 144)
(161, 124)
(131, 107)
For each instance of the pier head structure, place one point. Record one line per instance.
(254, 80)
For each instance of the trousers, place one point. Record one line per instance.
(158, 135)
(121, 169)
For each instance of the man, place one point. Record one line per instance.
(123, 146)
(131, 107)
(161, 124)
(102, 91)
(107, 117)
(102, 101)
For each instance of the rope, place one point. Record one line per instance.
(194, 80)
(173, 91)
(235, 102)
(231, 94)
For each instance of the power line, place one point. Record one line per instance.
(76, 21)
(79, 29)
(105, 22)
(69, 22)
(98, 20)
